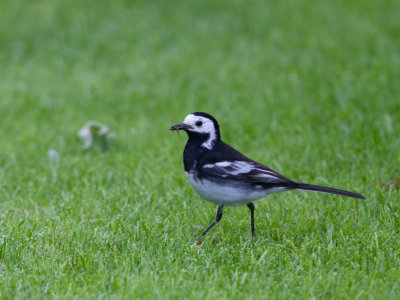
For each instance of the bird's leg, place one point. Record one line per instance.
(217, 218)
(251, 206)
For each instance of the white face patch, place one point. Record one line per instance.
(202, 125)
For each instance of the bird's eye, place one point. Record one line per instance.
(199, 123)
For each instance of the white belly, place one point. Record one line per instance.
(228, 193)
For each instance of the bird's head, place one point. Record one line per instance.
(201, 126)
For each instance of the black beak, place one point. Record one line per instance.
(181, 126)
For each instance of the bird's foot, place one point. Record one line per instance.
(200, 240)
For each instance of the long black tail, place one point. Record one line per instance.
(322, 189)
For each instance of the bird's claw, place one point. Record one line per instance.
(200, 240)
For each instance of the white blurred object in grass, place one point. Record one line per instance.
(53, 156)
(94, 133)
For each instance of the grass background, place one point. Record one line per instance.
(309, 88)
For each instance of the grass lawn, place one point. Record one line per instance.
(310, 88)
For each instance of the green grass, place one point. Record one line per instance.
(309, 88)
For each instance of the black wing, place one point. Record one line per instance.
(243, 170)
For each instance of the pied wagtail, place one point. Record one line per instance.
(224, 176)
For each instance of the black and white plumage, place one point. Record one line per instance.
(224, 176)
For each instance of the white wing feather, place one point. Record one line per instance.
(243, 170)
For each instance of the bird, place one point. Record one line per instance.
(224, 176)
